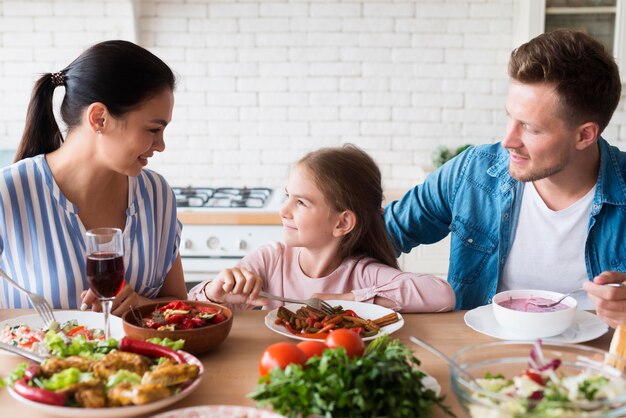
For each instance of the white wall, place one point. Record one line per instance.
(261, 82)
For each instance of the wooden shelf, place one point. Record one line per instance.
(581, 10)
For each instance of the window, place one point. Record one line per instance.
(605, 20)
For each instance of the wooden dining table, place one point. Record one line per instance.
(231, 370)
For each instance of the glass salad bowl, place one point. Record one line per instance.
(525, 379)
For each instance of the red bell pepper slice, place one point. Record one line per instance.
(198, 322)
(175, 319)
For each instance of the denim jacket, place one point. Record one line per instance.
(474, 197)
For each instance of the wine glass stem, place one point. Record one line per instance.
(106, 309)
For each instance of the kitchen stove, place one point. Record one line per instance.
(221, 225)
(222, 197)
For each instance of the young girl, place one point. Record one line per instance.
(335, 244)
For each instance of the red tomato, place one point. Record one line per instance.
(312, 348)
(351, 341)
(281, 355)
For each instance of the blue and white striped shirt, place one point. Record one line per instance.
(42, 239)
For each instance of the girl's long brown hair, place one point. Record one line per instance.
(349, 179)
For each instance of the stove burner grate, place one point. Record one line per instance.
(222, 197)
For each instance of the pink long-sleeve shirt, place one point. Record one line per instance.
(366, 278)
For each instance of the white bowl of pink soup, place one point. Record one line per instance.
(514, 312)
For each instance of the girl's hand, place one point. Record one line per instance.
(236, 285)
(124, 300)
(610, 301)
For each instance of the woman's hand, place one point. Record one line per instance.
(236, 285)
(124, 300)
(610, 301)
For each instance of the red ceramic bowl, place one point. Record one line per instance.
(197, 340)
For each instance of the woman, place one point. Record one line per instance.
(118, 100)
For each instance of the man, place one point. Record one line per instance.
(546, 207)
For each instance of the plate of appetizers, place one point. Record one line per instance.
(126, 382)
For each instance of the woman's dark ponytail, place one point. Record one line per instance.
(41, 133)
(118, 74)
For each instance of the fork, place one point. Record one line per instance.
(39, 303)
(314, 303)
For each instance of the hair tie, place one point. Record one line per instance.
(58, 79)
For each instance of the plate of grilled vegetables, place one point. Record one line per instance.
(304, 323)
(132, 379)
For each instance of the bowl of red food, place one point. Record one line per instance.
(203, 325)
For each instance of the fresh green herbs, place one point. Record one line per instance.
(384, 382)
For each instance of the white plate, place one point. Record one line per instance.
(364, 310)
(86, 318)
(219, 411)
(586, 326)
(123, 411)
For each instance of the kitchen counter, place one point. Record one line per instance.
(210, 217)
(231, 370)
(247, 217)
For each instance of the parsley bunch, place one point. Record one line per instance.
(384, 382)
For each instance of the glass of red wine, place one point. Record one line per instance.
(105, 267)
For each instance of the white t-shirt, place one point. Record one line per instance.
(548, 251)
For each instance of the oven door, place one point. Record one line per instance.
(208, 249)
(198, 269)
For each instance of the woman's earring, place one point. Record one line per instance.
(99, 132)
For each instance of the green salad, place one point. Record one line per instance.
(544, 391)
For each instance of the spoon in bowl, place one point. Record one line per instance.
(533, 302)
(443, 356)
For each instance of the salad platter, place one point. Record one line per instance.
(189, 374)
(367, 311)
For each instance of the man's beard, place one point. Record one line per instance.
(538, 174)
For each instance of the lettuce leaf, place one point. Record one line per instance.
(123, 376)
(66, 378)
(166, 342)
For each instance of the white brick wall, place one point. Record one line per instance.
(261, 82)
